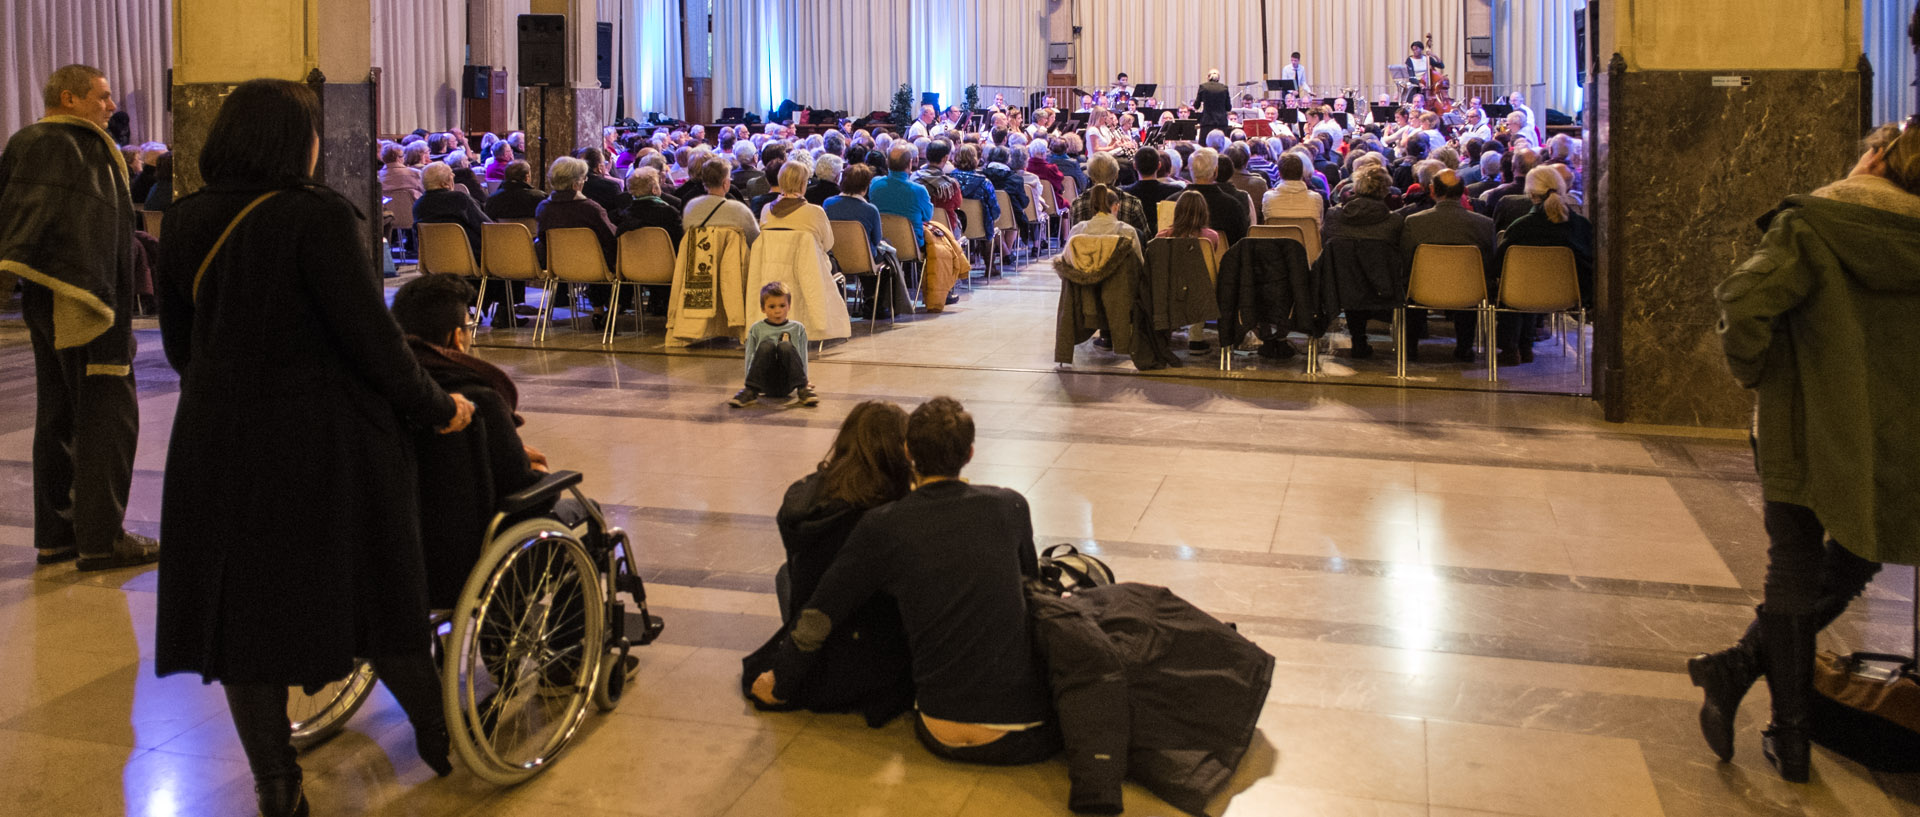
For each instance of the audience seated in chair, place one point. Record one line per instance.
(826, 178)
(648, 209)
(1291, 198)
(897, 194)
(397, 175)
(715, 208)
(1549, 224)
(446, 203)
(516, 198)
(1230, 208)
(1358, 276)
(1104, 171)
(1449, 221)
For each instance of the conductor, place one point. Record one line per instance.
(1214, 103)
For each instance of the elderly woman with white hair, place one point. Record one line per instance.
(566, 206)
(447, 203)
(1229, 208)
(826, 178)
(649, 209)
(792, 211)
(1551, 223)
(464, 176)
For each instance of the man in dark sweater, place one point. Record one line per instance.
(955, 556)
(1154, 186)
(515, 198)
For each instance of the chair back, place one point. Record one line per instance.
(975, 218)
(401, 208)
(506, 247)
(1071, 189)
(150, 222)
(1034, 204)
(1539, 279)
(1163, 213)
(1053, 197)
(896, 230)
(1309, 228)
(1005, 221)
(492, 187)
(646, 256)
(850, 247)
(1447, 276)
(444, 250)
(1287, 231)
(573, 254)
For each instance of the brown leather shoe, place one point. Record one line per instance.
(131, 550)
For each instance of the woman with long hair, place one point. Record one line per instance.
(1190, 219)
(864, 665)
(1820, 323)
(290, 504)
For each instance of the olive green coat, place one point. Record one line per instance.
(1823, 322)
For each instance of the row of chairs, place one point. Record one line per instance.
(1533, 280)
(646, 258)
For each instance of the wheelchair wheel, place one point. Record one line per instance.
(321, 714)
(527, 643)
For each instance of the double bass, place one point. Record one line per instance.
(1439, 88)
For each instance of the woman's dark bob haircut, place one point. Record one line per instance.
(263, 135)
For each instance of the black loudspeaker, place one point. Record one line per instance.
(603, 54)
(474, 82)
(543, 49)
(1580, 47)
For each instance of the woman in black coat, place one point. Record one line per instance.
(289, 494)
(864, 666)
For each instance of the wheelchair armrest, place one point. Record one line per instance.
(546, 490)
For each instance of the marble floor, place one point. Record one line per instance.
(1480, 602)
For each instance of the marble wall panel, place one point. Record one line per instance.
(567, 118)
(347, 140)
(1688, 167)
(195, 105)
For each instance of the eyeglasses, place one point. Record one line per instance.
(473, 320)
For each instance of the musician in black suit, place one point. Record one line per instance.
(1214, 103)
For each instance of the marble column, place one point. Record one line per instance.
(219, 44)
(1708, 115)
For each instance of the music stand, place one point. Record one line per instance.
(1343, 118)
(1290, 116)
(1145, 90)
(1279, 86)
(1383, 114)
(1496, 112)
(1257, 128)
(1150, 116)
(1183, 130)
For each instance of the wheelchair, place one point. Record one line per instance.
(539, 631)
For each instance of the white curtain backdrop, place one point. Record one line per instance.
(1171, 43)
(1891, 52)
(957, 43)
(420, 46)
(747, 69)
(845, 55)
(1533, 45)
(651, 48)
(1346, 44)
(130, 40)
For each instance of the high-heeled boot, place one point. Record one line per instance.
(415, 683)
(1788, 642)
(1725, 677)
(259, 714)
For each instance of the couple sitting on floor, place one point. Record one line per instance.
(906, 591)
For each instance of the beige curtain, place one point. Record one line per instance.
(957, 43)
(420, 47)
(1348, 44)
(838, 54)
(1171, 43)
(1533, 51)
(130, 40)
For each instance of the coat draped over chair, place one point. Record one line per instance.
(709, 287)
(793, 257)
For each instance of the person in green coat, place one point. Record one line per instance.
(1823, 323)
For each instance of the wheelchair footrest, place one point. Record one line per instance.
(651, 631)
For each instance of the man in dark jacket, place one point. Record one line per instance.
(515, 198)
(1230, 213)
(66, 229)
(955, 557)
(603, 189)
(648, 209)
(1449, 221)
(1214, 103)
(1154, 185)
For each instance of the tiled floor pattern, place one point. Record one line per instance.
(1479, 603)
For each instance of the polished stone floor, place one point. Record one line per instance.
(1480, 602)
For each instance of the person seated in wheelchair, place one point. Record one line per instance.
(463, 477)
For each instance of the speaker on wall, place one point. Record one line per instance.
(603, 54)
(473, 82)
(1580, 47)
(543, 49)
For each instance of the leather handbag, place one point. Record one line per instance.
(1866, 706)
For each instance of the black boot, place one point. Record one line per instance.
(1788, 646)
(416, 685)
(259, 714)
(1725, 677)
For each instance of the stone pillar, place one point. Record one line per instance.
(1709, 113)
(560, 120)
(218, 44)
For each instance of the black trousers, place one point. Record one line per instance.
(1806, 572)
(777, 369)
(1016, 749)
(85, 430)
(259, 711)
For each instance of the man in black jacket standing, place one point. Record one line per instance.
(68, 232)
(1214, 102)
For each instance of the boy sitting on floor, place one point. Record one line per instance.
(776, 353)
